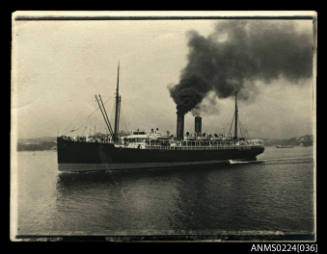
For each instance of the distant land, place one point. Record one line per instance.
(306, 140)
(37, 144)
(50, 143)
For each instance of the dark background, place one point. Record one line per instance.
(94, 245)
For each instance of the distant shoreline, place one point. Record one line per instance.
(37, 144)
(50, 143)
(54, 149)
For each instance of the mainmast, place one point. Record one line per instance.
(236, 117)
(117, 111)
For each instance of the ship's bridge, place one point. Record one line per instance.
(139, 139)
(142, 139)
(135, 138)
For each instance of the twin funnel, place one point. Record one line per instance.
(180, 126)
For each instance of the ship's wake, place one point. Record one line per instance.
(236, 162)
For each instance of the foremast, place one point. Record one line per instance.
(117, 109)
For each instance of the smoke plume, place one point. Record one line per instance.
(208, 106)
(237, 54)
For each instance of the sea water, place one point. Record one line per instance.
(276, 195)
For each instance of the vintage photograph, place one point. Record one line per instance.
(163, 125)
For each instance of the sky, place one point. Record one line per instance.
(58, 67)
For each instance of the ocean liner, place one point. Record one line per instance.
(140, 149)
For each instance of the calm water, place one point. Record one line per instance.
(276, 195)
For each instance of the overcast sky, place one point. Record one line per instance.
(58, 67)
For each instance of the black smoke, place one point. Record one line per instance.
(237, 54)
(208, 106)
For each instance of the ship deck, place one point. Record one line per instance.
(192, 148)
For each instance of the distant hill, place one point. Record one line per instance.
(306, 140)
(37, 144)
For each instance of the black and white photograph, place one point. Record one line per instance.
(191, 126)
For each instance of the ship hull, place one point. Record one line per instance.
(83, 156)
(119, 167)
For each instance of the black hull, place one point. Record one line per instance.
(71, 152)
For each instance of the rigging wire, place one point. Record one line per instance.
(241, 129)
(66, 130)
(231, 127)
(240, 126)
(122, 119)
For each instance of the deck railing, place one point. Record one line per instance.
(177, 147)
(211, 147)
